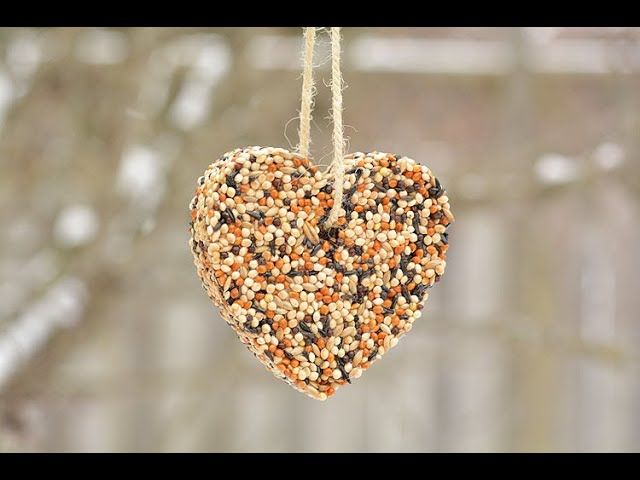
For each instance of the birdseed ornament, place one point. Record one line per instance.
(319, 273)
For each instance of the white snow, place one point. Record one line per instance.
(555, 169)
(76, 225)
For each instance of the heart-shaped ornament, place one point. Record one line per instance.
(317, 305)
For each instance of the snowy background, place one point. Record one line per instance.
(531, 341)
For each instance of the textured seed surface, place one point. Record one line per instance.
(318, 305)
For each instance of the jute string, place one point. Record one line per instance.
(306, 107)
(308, 92)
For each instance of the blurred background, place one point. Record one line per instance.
(530, 343)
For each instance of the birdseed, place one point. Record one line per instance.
(316, 305)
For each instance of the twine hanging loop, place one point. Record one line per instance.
(308, 92)
(306, 107)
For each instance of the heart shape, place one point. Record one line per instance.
(316, 305)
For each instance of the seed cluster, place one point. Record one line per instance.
(318, 305)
